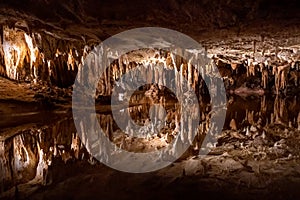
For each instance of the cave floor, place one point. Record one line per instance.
(18, 92)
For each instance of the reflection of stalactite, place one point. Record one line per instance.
(264, 77)
(263, 105)
(26, 156)
(298, 121)
(279, 111)
(3, 167)
(276, 109)
(42, 167)
(25, 159)
(250, 116)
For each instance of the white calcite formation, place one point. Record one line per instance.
(45, 56)
(39, 57)
(264, 61)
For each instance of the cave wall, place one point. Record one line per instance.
(34, 57)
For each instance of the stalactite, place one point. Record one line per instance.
(170, 60)
(181, 127)
(182, 75)
(254, 47)
(161, 75)
(71, 61)
(281, 73)
(54, 49)
(233, 124)
(177, 80)
(190, 73)
(156, 74)
(12, 51)
(250, 69)
(196, 80)
(75, 145)
(150, 72)
(234, 67)
(144, 71)
(115, 71)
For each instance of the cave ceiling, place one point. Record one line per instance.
(209, 22)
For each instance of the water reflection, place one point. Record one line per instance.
(30, 155)
(263, 111)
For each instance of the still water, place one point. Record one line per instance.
(34, 141)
